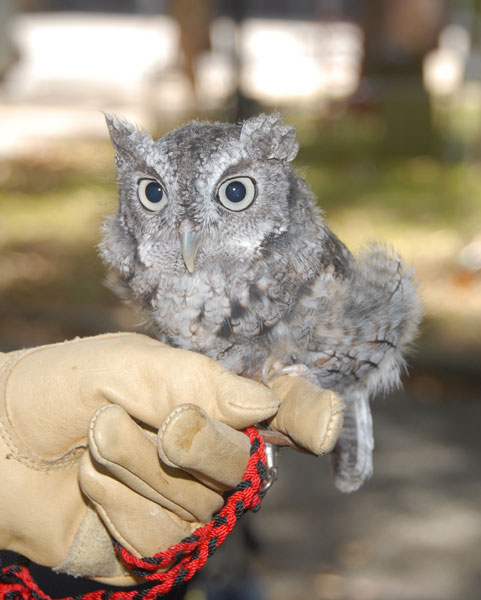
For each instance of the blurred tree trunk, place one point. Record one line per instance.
(399, 33)
(194, 19)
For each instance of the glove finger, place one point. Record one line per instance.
(310, 416)
(143, 375)
(164, 377)
(118, 444)
(213, 452)
(140, 525)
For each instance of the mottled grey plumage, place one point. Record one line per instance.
(262, 285)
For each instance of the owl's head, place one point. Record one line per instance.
(203, 194)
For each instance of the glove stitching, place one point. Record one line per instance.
(100, 458)
(20, 451)
(113, 529)
(330, 427)
(178, 409)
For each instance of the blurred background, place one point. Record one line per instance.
(386, 97)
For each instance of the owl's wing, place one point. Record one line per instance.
(357, 347)
(352, 457)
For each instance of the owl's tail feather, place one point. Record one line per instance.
(352, 457)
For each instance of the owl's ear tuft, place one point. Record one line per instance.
(268, 135)
(126, 138)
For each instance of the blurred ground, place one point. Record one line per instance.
(413, 532)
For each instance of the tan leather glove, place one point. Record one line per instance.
(69, 414)
(310, 417)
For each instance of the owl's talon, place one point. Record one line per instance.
(275, 370)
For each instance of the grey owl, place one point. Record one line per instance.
(221, 242)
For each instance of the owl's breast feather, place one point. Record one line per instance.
(234, 320)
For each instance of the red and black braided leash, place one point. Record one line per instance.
(180, 562)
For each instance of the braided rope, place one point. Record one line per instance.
(180, 562)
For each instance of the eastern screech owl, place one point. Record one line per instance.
(221, 242)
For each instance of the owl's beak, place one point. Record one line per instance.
(190, 241)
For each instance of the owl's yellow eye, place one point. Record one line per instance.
(237, 193)
(151, 194)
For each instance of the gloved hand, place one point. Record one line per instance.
(79, 454)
